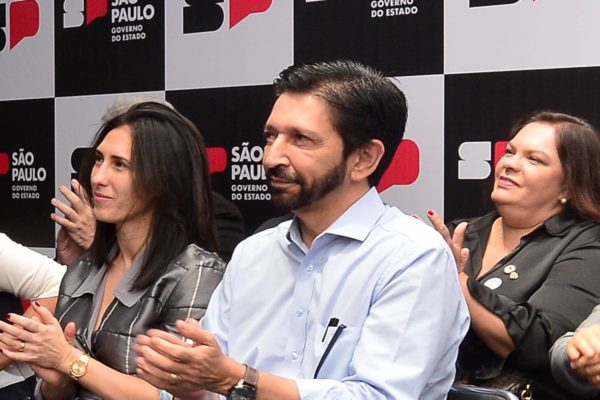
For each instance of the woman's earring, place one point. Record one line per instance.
(563, 200)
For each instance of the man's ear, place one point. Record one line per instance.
(366, 159)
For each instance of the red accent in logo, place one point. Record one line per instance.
(487, 3)
(240, 9)
(404, 168)
(24, 20)
(217, 159)
(4, 163)
(499, 150)
(95, 9)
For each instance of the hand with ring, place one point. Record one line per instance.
(39, 341)
(185, 370)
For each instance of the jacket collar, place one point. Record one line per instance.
(123, 291)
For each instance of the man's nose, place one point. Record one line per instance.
(276, 153)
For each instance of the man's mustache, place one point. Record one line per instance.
(280, 173)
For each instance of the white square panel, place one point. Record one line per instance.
(520, 34)
(226, 50)
(425, 128)
(27, 57)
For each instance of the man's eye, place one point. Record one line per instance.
(269, 137)
(302, 139)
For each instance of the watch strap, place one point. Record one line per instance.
(251, 376)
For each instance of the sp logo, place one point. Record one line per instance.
(208, 15)
(404, 168)
(4, 164)
(77, 13)
(24, 18)
(486, 3)
(475, 158)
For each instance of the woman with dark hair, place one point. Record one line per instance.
(530, 270)
(151, 262)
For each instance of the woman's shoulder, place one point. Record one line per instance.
(76, 273)
(81, 267)
(194, 272)
(570, 224)
(194, 257)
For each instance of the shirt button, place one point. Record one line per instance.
(299, 312)
(309, 268)
(294, 356)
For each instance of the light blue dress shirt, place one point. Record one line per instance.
(388, 277)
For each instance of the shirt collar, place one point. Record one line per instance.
(355, 223)
(560, 224)
(123, 291)
(557, 225)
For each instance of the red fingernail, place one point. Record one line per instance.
(36, 304)
(430, 212)
(8, 315)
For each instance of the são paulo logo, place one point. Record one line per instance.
(77, 13)
(25, 175)
(21, 20)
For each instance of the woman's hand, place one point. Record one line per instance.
(52, 376)
(77, 226)
(461, 254)
(40, 342)
(583, 351)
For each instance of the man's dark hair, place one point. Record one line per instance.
(171, 175)
(365, 105)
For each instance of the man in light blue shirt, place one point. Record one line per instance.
(352, 299)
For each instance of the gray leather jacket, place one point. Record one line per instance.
(182, 291)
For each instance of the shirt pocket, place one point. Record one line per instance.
(332, 356)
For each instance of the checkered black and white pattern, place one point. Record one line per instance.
(469, 69)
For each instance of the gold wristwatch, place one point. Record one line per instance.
(78, 367)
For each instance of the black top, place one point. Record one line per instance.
(557, 286)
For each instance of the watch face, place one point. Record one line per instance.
(242, 393)
(78, 368)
